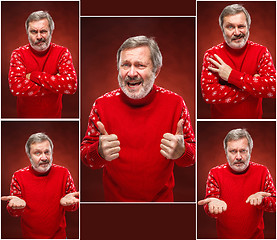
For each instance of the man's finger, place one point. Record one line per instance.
(217, 64)
(75, 194)
(6, 198)
(204, 201)
(213, 69)
(219, 59)
(179, 130)
(101, 128)
(266, 194)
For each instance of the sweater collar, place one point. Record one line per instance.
(236, 51)
(33, 171)
(139, 102)
(40, 53)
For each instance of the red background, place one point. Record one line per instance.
(141, 8)
(65, 137)
(138, 221)
(211, 153)
(101, 38)
(209, 34)
(66, 18)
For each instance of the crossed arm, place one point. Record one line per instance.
(37, 83)
(222, 84)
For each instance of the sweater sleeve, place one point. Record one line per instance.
(18, 83)
(263, 85)
(65, 82)
(212, 191)
(89, 146)
(70, 188)
(269, 203)
(15, 190)
(216, 91)
(188, 158)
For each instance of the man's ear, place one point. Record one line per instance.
(157, 72)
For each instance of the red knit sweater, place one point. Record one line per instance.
(140, 173)
(242, 96)
(52, 74)
(43, 216)
(240, 220)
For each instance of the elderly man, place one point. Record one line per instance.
(239, 191)
(138, 132)
(42, 192)
(41, 72)
(238, 73)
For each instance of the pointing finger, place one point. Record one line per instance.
(101, 128)
(6, 198)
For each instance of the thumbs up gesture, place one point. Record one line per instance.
(109, 146)
(173, 146)
(14, 202)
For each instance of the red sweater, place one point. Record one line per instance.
(52, 74)
(140, 173)
(240, 220)
(241, 96)
(43, 216)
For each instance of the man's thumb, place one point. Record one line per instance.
(179, 130)
(6, 198)
(101, 128)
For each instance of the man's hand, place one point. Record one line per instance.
(28, 75)
(14, 202)
(222, 69)
(216, 206)
(173, 146)
(257, 198)
(70, 199)
(109, 146)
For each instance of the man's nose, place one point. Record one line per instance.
(132, 72)
(43, 156)
(237, 32)
(238, 155)
(39, 35)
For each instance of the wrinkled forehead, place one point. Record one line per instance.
(239, 17)
(238, 143)
(39, 24)
(40, 145)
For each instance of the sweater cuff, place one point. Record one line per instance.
(35, 77)
(94, 158)
(15, 212)
(236, 78)
(188, 158)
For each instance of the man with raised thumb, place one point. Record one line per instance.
(138, 132)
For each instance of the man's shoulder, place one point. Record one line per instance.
(167, 93)
(109, 96)
(22, 171)
(219, 168)
(258, 166)
(255, 45)
(59, 168)
(22, 48)
(216, 48)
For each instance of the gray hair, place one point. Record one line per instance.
(138, 41)
(39, 15)
(37, 138)
(232, 10)
(237, 134)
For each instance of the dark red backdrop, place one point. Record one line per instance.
(138, 221)
(142, 8)
(66, 33)
(65, 137)
(211, 153)
(262, 31)
(101, 37)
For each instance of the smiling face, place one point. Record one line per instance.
(39, 34)
(41, 156)
(135, 75)
(235, 30)
(238, 154)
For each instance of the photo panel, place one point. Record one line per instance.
(65, 15)
(14, 135)
(101, 38)
(211, 153)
